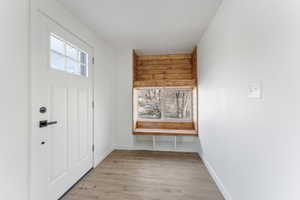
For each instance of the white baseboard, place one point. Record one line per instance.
(215, 177)
(123, 147)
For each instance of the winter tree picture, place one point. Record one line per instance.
(165, 104)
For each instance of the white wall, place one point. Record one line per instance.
(14, 100)
(123, 99)
(252, 144)
(104, 95)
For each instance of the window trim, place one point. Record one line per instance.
(162, 105)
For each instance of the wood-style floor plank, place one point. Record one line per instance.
(147, 175)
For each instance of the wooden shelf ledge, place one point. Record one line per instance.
(165, 132)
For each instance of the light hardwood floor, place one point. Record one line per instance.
(147, 175)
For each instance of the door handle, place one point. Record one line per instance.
(45, 123)
(51, 123)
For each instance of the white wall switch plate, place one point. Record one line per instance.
(255, 90)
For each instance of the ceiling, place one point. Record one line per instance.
(151, 26)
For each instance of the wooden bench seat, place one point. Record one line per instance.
(167, 132)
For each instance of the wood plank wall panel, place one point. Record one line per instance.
(134, 61)
(166, 57)
(194, 64)
(164, 70)
(164, 83)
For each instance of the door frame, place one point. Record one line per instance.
(34, 31)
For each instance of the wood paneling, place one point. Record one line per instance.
(166, 57)
(164, 67)
(134, 61)
(164, 70)
(147, 175)
(194, 64)
(164, 83)
(165, 125)
(146, 77)
(164, 62)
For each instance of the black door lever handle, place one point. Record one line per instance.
(45, 123)
(51, 123)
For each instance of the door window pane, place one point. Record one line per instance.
(57, 45)
(83, 57)
(149, 103)
(72, 52)
(177, 104)
(57, 61)
(72, 66)
(83, 70)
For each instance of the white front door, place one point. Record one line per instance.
(62, 95)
